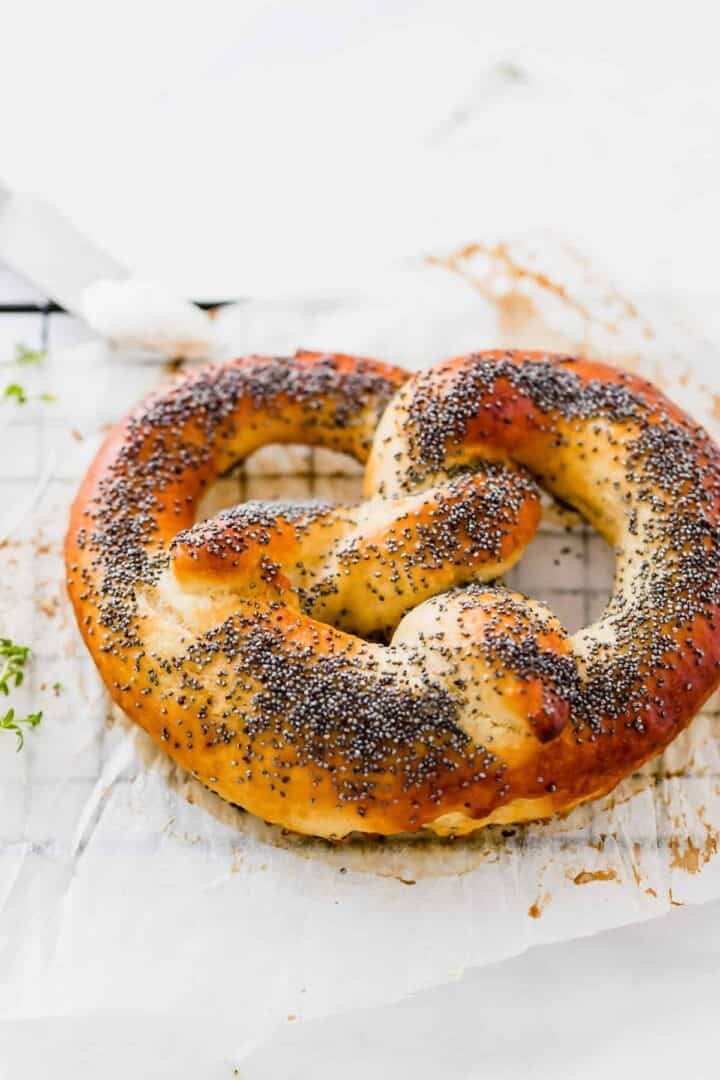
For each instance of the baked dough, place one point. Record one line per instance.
(353, 668)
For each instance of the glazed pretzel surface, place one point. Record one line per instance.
(354, 668)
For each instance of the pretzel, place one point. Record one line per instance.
(336, 669)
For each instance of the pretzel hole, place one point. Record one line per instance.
(568, 566)
(285, 473)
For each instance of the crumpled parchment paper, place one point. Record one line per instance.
(127, 888)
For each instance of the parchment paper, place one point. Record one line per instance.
(126, 888)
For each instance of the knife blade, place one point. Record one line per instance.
(143, 317)
(46, 249)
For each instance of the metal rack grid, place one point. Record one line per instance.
(568, 566)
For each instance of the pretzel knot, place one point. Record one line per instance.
(341, 668)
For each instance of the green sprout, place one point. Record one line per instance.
(12, 674)
(26, 355)
(15, 390)
(9, 722)
(12, 670)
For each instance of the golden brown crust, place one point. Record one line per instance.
(234, 643)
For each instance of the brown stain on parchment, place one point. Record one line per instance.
(519, 319)
(49, 606)
(689, 856)
(516, 311)
(537, 908)
(587, 876)
(684, 858)
(635, 864)
(500, 254)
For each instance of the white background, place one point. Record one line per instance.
(236, 148)
(263, 148)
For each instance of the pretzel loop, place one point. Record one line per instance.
(340, 668)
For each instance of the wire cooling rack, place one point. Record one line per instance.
(51, 793)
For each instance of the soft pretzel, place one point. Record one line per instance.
(352, 668)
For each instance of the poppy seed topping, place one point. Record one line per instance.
(341, 668)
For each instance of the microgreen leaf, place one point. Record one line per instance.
(26, 355)
(13, 661)
(14, 390)
(9, 722)
(12, 664)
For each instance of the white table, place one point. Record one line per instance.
(257, 148)
(272, 146)
(640, 1001)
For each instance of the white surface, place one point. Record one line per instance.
(270, 146)
(640, 1001)
(274, 147)
(629, 1003)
